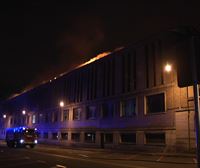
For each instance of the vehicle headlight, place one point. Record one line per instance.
(21, 141)
(36, 141)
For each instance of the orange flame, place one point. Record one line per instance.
(99, 56)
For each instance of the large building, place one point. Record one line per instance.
(124, 99)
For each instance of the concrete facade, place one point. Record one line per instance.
(122, 100)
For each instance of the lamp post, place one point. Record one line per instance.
(196, 98)
(168, 68)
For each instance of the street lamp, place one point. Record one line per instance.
(4, 116)
(23, 112)
(168, 67)
(61, 104)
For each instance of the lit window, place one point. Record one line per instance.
(155, 103)
(34, 119)
(66, 115)
(76, 113)
(128, 108)
(91, 112)
(90, 137)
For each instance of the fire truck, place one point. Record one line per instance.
(21, 137)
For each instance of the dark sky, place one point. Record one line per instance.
(40, 39)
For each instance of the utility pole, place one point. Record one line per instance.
(196, 98)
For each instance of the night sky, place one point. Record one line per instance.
(40, 39)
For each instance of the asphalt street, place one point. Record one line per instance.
(48, 156)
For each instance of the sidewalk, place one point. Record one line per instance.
(115, 150)
(123, 151)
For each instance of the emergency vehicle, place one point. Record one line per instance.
(21, 136)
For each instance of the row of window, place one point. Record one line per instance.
(90, 137)
(128, 108)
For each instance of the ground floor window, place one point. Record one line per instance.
(155, 138)
(45, 135)
(64, 136)
(128, 138)
(109, 138)
(38, 134)
(54, 135)
(90, 137)
(75, 137)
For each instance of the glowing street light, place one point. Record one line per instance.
(168, 67)
(4, 116)
(23, 112)
(61, 104)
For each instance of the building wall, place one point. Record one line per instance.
(110, 97)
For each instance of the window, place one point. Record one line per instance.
(91, 113)
(128, 138)
(64, 135)
(38, 134)
(23, 120)
(28, 119)
(76, 113)
(15, 120)
(66, 115)
(90, 137)
(108, 138)
(147, 64)
(54, 135)
(46, 118)
(107, 110)
(128, 108)
(75, 137)
(34, 119)
(54, 117)
(45, 135)
(155, 138)
(155, 103)
(11, 121)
